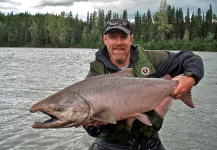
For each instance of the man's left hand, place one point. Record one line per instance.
(185, 83)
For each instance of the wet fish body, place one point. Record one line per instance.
(108, 98)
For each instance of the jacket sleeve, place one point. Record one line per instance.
(183, 62)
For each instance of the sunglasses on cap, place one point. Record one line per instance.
(114, 22)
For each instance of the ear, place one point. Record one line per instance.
(104, 39)
(131, 38)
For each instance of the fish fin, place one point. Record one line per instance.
(127, 72)
(167, 77)
(130, 121)
(104, 116)
(72, 125)
(187, 99)
(163, 107)
(143, 118)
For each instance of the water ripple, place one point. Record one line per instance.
(30, 74)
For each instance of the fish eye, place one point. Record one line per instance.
(59, 108)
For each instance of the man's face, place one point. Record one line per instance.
(118, 44)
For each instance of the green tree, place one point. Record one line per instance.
(77, 31)
(149, 25)
(208, 21)
(137, 27)
(187, 21)
(179, 24)
(198, 23)
(171, 20)
(62, 28)
(101, 21)
(34, 29)
(144, 29)
(115, 15)
(161, 20)
(93, 19)
(125, 14)
(193, 31)
(215, 27)
(108, 16)
(168, 30)
(51, 29)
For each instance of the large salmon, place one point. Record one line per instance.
(108, 98)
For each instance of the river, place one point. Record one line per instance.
(28, 75)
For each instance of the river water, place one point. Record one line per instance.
(28, 75)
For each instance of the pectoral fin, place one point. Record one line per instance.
(143, 118)
(130, 121)
(104, 117)
(163, 107)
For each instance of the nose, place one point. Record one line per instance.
(119, 40)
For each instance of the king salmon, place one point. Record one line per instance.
(108, 98)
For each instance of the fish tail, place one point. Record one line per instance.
(187, 99)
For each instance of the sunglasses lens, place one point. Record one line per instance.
(114, 22)
(126, 24)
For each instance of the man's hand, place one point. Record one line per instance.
(185, 83)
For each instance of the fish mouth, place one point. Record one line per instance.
(53, 122)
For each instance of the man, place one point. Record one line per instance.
(119, 54)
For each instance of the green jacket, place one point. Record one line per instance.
(153, 64)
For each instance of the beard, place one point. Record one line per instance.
(119, 57)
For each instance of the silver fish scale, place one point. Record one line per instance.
(114, 91)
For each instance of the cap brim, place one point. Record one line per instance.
(120, 27)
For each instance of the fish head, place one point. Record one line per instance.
(66, 109)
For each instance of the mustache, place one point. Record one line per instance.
(119, 48)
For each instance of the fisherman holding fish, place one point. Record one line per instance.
(126, 93)
(118, 54)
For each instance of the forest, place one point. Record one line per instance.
(167, 29)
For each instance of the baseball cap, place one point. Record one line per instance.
(118, 23)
